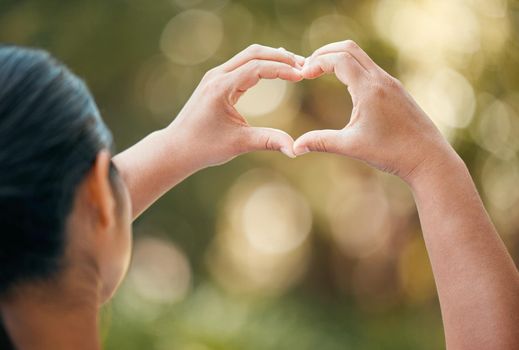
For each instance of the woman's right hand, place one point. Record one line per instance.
(387, 129)
(476, 279)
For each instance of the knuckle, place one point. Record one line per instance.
(390, 82)
(350, 44)
(268, 143)
(320, 144)
(254, 48)
(379, 89)
(213, 85)
(290, 56)
(254, 65)
(396, 83)
(345, 56)
(210, 73)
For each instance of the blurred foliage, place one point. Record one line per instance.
(320, 252)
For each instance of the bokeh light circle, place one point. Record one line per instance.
(262, 245)
(263, 98)
(276, 219)
(192, 37)
(445, 95)
(160, 271)
(359, 221)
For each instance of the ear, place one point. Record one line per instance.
(99, 190)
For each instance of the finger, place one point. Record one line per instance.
(300, 60)
(318, 141)
(250, 74)
(347, 69)
(259, 52)
(268, 139)
(351, 47)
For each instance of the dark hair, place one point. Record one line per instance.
(50, 135)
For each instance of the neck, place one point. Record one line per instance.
(61, 316)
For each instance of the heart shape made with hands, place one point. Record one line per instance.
(387, 129)
(359, 73)
(342, 58)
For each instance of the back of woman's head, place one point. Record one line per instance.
(50, 135)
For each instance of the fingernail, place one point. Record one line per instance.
(287, 152)
(302, 151)
(298, 72)
(304, 70)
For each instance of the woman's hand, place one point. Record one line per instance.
(208, 130)
(387, 128)
(477, 280)
(209, 124)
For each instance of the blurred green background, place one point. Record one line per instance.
(320, 252)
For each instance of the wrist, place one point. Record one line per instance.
(182, 149)
(437, 168)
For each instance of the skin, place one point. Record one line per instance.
(209, 130)
(63, 312)
(477, 281)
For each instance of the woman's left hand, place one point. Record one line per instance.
(208, 130)
(209, 125)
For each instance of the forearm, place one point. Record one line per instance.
(477, 281)
(154, 165)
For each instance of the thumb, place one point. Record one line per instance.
(318, 141)
(268, 139)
